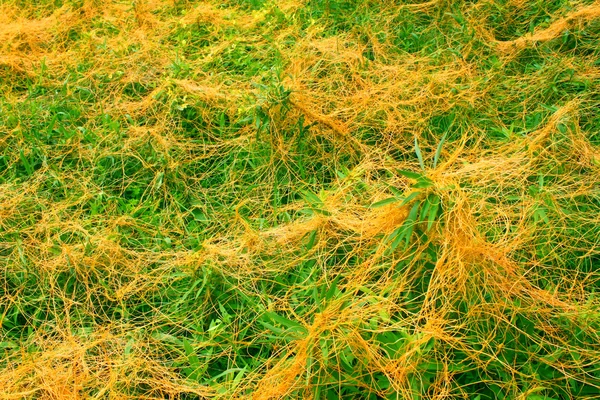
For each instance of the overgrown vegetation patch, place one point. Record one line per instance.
(299, 199)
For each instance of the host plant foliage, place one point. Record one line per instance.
(315, 199)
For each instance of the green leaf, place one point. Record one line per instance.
(395, 191)
(392, 342)
(433, 210)
(324, 345)
(410, 174)
(8, 345)
(199, 215)
(438, 151)
(322, 212)
(423, 183)
(540, 214)
(419, 155)
(26, 163)
(222, 121)
(228, 372)
(196, 369)
(425, 209)
(404, 232)
(343, 172)
(332, 289)
(312, 198)
(410, 197)
(312, 239)
(384, 202)
(410, 221)
(291, 327)
(282, 320)
(397, 237)
(347, 358)
(165, 337)
(315, 202)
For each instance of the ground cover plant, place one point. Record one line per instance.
(299, 199)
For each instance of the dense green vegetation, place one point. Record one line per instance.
(300, 199)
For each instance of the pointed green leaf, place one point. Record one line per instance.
(395, 191)
(410, 174)
(438, 151)
(433, 210)
(423, 183)
(396, 237)
(384, 202)
(410, 197)
(196, 369)
(312, 198)
(419, 155)
(291, 326)
(425, 208)
(312, 238)
(331, 291)
(410, 221)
